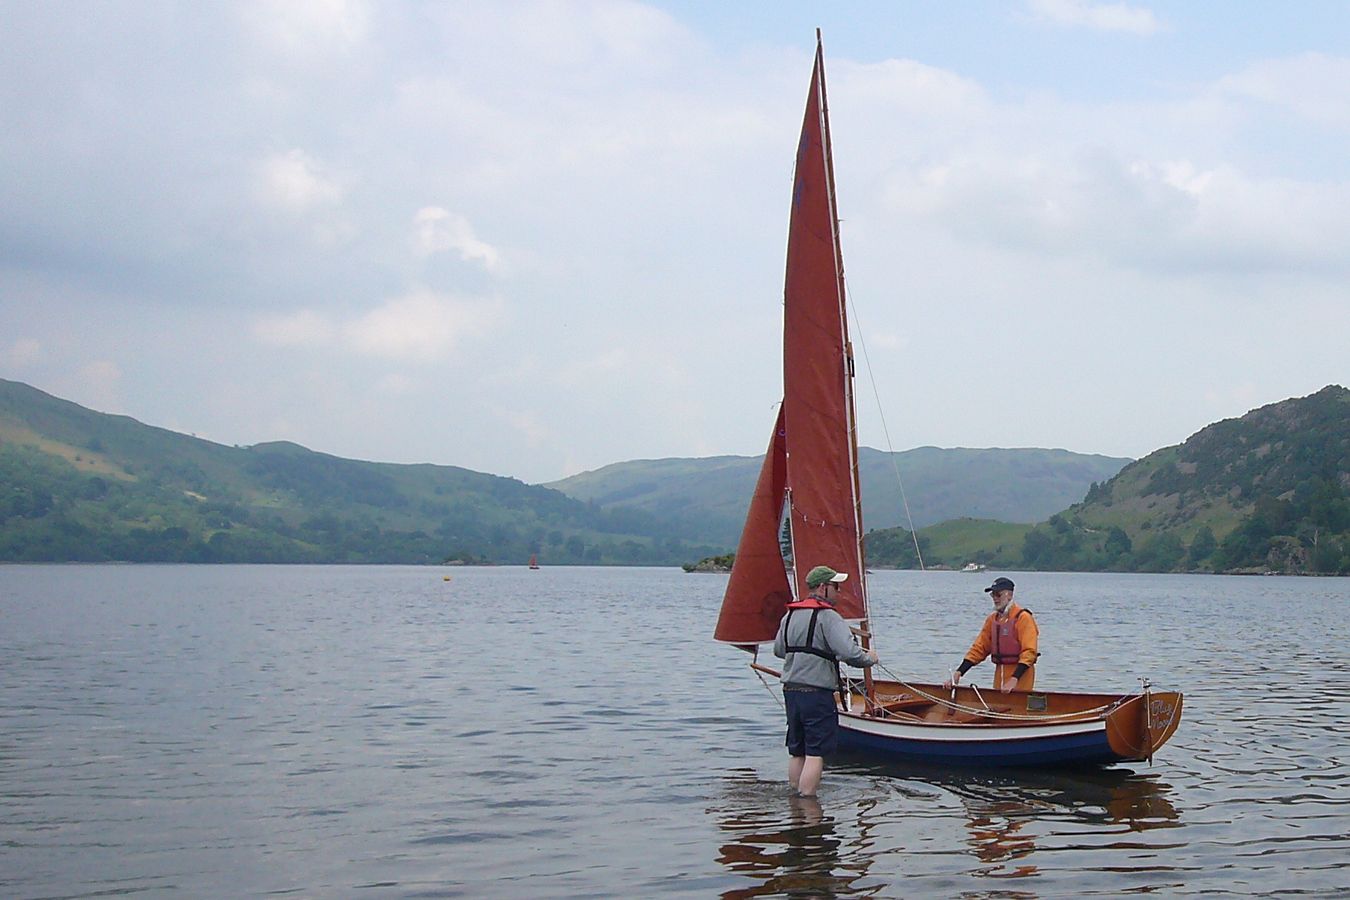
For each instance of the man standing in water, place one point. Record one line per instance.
(1010, 636)
(812, 640)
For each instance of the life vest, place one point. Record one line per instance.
(815, 605)
(1005, 645)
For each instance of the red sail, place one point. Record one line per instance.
(758, 588)
(817, 371)
(811, 462)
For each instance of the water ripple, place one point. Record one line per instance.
(319, 731)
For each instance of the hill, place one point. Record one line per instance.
(81, 485)
(709, 496)
(1266, 492)
(949, 545)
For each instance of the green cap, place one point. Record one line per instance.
(821, 574)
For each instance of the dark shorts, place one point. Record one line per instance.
(812, 722)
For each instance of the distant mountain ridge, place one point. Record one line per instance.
(1012, 485)
(1265, 492)
(81, 485)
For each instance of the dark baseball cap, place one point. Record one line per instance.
(1000, 584)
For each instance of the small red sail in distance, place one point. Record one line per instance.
(811, 468)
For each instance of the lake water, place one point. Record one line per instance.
(357, 731)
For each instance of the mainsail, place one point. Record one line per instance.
(811, 467)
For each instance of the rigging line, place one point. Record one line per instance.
(952, 704)
(778, 695)
(885, 429)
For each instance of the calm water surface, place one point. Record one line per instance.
(227, 731)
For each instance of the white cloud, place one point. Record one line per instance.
(577, 36)
(303, 328)
(1312, 85)
(634, 176)
(1165, 216)
(22, 353)
(420, 326)
(527, 424)
(596, 366)
(307, 29)
(436, 230)
(904, 87)
(1097, 16)
(296, 183)
(396, 384)
(886, 340)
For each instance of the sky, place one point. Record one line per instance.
(536, 238)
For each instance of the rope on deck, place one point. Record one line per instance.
(991, 714)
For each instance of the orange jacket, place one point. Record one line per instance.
(1028, 635)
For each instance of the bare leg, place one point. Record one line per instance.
(795, 770)
(808, 778)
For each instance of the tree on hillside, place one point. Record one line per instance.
(1118, 548)
(1202, 546)
(894, 547)
(1160, 553)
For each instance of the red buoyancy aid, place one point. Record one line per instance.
(810, 603)
(1005, 646)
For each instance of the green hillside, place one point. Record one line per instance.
(709, 496)
(1269, 491)
(81, 485)
(1266, 492)
(949, 545)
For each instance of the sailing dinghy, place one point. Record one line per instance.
(810, 480)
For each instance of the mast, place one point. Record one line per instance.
(850, 404)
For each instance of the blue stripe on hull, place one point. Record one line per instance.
(1081, 749)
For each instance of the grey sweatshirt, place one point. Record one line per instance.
(832, 635)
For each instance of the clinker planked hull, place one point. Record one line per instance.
(1022, 728)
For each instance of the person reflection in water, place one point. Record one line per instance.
(812, 646)
(797, 855)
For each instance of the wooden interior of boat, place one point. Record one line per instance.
(978, 705)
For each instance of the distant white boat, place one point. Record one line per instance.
(972, 567)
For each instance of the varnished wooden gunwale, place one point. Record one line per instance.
(1132, 730)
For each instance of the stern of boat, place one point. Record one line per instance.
(1138, 728)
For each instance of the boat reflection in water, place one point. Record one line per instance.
(881, 824)
(1005, 815)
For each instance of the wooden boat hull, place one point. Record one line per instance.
(1033, 728)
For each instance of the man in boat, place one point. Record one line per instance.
(812, 640)
(1010, 637)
